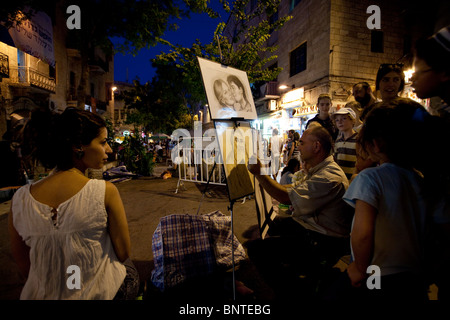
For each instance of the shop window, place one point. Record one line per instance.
(377, 41)
(297, 60)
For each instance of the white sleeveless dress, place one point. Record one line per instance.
(78, 237)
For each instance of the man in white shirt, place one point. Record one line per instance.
(276, 146)
(319, 228)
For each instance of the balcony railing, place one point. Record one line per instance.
(27, 76)
(268, 90)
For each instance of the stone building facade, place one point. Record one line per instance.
(31, 83)
(328, 46)
(28, 83)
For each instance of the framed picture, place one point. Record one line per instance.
(228, 91)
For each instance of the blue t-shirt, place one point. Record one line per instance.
(399, 226)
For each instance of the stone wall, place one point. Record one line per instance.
(351, 59)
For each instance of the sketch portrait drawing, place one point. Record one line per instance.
(228, 91)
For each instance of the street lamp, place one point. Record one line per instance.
(285, 86)
(112, 104)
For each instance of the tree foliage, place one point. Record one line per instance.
(246, 50)
(140, 24)
(176, 92)
(155, 108)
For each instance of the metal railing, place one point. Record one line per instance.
(194, 166)
(25, 75)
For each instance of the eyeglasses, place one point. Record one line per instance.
(420, 72)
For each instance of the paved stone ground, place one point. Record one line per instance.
(146, 200)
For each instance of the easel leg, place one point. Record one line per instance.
(232, 252)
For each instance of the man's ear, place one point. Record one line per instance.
(317, 146)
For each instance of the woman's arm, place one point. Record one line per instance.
(118, 225)
(362, 239)
(20, 251)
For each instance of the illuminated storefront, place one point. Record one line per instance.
(290, 113)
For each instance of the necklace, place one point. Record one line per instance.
(76, 170)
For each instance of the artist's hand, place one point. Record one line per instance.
(254, 165)
(355, 275)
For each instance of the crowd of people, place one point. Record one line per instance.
(373, 184)
(391, 212)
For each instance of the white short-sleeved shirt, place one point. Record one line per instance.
(317, 200)
(399, 226)
(79, 238)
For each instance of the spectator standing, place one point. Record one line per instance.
(432, 69)
(323, 117)
(390, 203)
(356, 107)
(67, 220)
(345, 144)
(276, 146)
(362, 92)
(432, 78)
(159, 151)
(288, 145)
(390, 81)
(294, 151)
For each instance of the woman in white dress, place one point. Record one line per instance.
(69, 233)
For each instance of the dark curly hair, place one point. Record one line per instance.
(411, 138)
(385, 68)
(51, 138)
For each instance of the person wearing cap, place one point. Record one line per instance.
(432, 69)
(345, 144)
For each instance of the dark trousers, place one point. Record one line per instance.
(291, 252)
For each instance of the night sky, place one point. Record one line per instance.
(198, 26)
